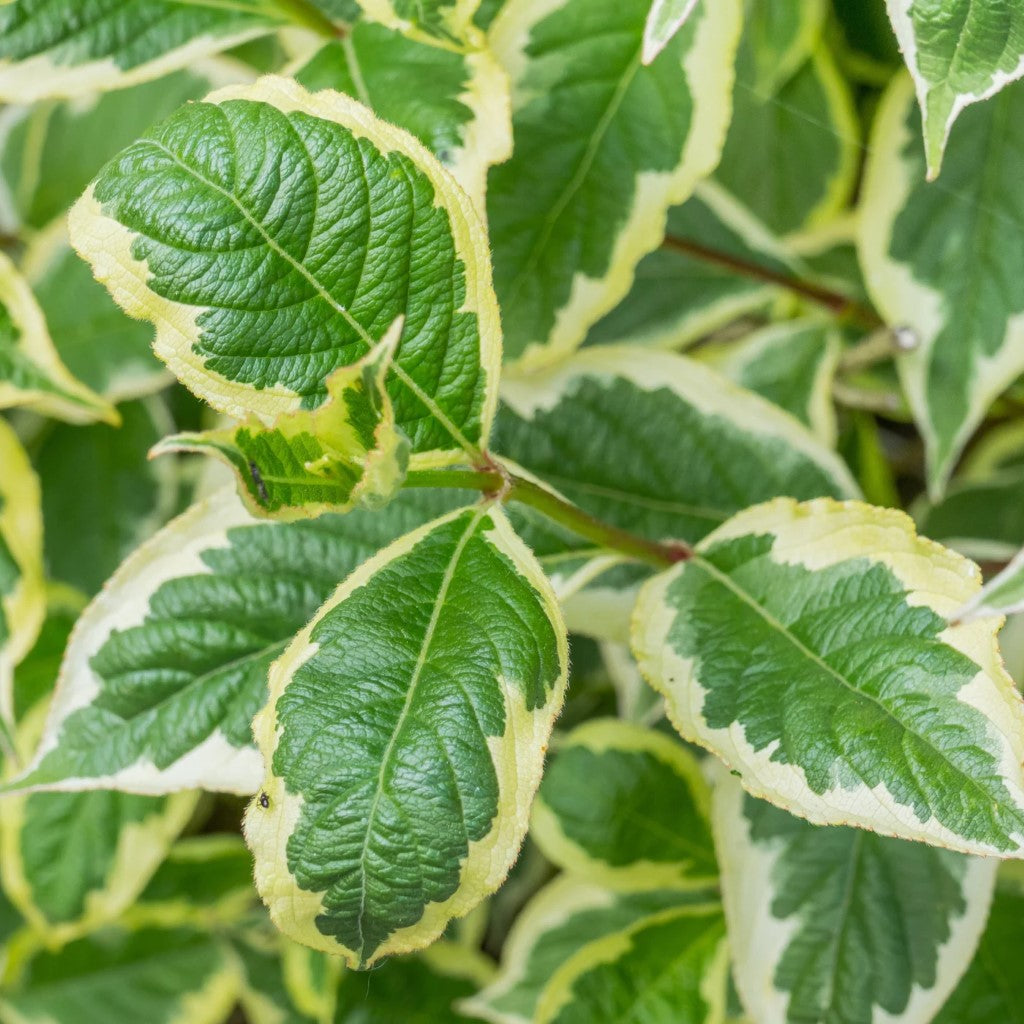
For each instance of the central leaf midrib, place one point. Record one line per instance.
(435, 410)
(853, 867)
(428, 638)
(772, 621)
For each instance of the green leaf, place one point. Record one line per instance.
(563, 918)
(680, 295)
(160, 976)
(446, 20)
(990, 991)
(331, 224)
(264, 995)
(625, 806)
(778, 37)
(808, 646)
(22, 593)
(51, 151)
(596, 428)
(344, 454)
(664, 20)
(862, 36)
(454, 102)
(10, 924)
(670, 968)
(585, 196)
(431, 679)
(419, 989)
(104, 349)
(31, 373)
(101, 498)
(958, 53)
(204, 881)
(838, 924)
(486, 12)
(172, 658)
(60, 48)
(73, 862)
(76, 861)
(965, 314)
(311, 978)
(792, 364)
(804, 131)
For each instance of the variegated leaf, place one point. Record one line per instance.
(595, 429)
(585, 196)
(422, 989)
(204, 881)
(332, 224)
(808, 646)
(99, 478)
(446, 20)
(779, 37)
(73, 862)
(65, 48)
(803, 125)
(156, 975)
(966, 316)
(838, 924)
(49, 152)
(22, 592)
(672, 966)
(264, 995)
(625, 806)
(565, 917)
(454, 101)
(31, 373)
(679, 294)
(185, 633)
(345, 453)
(979, 515)
(1002, 595)
(958, 53)
(664, 20)
(430, 681)
(103, 348)
(792, 364)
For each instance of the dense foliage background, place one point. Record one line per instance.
(743, 250)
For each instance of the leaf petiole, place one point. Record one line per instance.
(507, 486)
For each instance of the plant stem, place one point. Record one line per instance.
(509, 487)
(836, 302)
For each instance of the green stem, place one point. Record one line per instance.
(509, 487)
(306, 14)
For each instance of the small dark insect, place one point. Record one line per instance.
(264, 801)
(257, 479)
